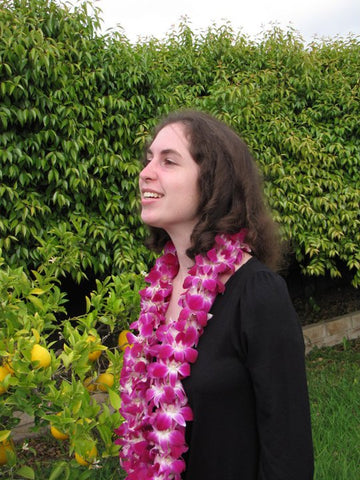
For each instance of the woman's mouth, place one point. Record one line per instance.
(148, 194)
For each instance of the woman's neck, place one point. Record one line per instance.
(181, 245)
(185, 263)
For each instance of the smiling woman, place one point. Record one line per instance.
(214, 385)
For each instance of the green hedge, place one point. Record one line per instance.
(77, 106)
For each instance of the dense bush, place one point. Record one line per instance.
(70, 113)
(76, 107)
(298, 110)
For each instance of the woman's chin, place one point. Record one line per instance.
(151, 221)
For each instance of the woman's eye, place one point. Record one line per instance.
(168, 161)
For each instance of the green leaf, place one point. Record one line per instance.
(4, 434)
(26, 472)
(36, 302)
(115, 400)
(37, 291)
(61, 468)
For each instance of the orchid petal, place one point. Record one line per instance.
(157, 370)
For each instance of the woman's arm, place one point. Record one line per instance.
(275, 359)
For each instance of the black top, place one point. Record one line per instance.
(248, 386)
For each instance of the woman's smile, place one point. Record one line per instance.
(150, 195)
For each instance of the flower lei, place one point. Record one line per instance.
(154, 403)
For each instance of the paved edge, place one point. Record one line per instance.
(332, 332)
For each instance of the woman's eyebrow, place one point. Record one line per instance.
(166, 151)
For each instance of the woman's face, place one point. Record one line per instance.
(169, 183)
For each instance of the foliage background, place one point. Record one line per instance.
(77, 106)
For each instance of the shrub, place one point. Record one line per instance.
(68, 117)
(61, 392)
(77, 107)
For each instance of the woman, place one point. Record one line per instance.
(214, 386)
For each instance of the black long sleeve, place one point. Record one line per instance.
(275, 360)
(248, 386)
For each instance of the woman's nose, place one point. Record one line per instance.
(148, 172)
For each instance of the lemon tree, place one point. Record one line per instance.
(47, 370)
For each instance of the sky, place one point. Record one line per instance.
(311, 18)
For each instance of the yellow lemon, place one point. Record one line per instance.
(105, 380)
(6, 447)
(41, 355)
(89, 384)
(123, 341)
(3, 373)
(58, 434)
(95, 354)
(7, 363)
(90, 457)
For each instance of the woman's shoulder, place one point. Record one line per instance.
(254, 273)
(264, 308)
(260, 292)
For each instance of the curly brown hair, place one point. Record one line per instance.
(230, 186)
